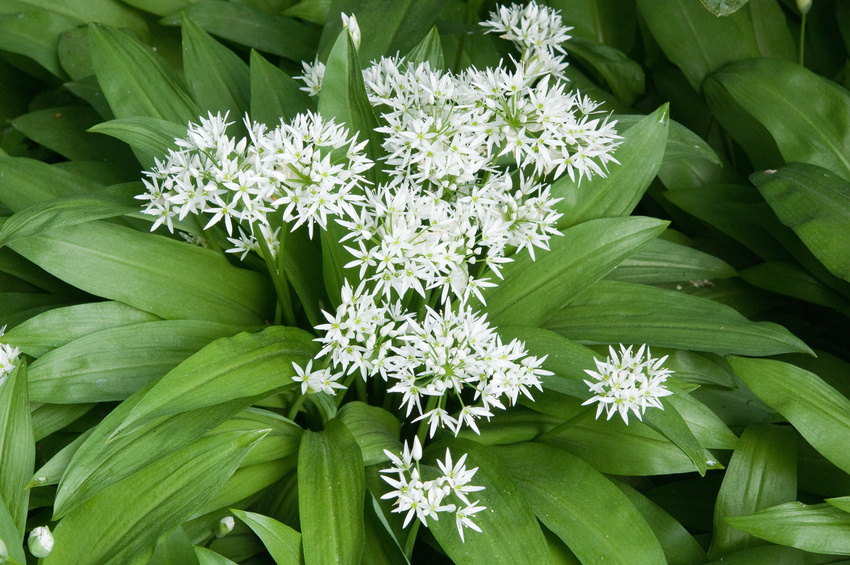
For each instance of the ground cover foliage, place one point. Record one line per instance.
(492, 298)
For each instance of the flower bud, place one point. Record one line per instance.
(225, 526)
(350, 23)
(804, 6)
(4, 552)
(40, 542)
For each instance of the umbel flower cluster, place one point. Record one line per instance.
(8, 358)
(469, 162)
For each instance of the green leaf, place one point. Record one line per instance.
(209, 557)
(723, 7)
(109, 12)
(509, 531)
(709, 429)
(274, 94)
(135, 80)
(790, 280)
(49, 418)
(24, 182)
(252, 27)
(429, 50)
(283, 543)
(616, 312)
(18, 307)
(580, 505)
(304, 273)
(114, 363)
(246, 482)
(761, 473)
(680, 547)
(607, 21)
(150, 138)
(121, 524)
(175, 549)
(11, 536)
(64, 130)
(818, 528)
(59, 326)
(815, 203)
(51, 472)
(122, 264)
(698, 42)
(218, 79)
(673, 426)
(534, 290)
(331, 487)
(665, 261)
(616, 194)
(71, 210)
(315, 11)
(374, 429)
(17, 447)
(625, 78)
(35, 34)
(818, 411)
(243, 366)
(806, 115)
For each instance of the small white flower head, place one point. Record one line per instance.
(40, 542)
(4, 551)
(628, 381)
(350, 23)
(9, 357)
(320, 380)
(224, 526)
(313, 75)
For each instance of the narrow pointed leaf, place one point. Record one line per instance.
(35, 34)
(374, 429)
(123, 264)
(10, 535)
(17, 446)
(23, 182)
(175, 549)
(150, 138)
(52, 471)
(673, 426)
(761, 473)
(819, 412)
(274, 94)
(815, 203)
(617, 193)
(616, 312)
(533, 290)
(209, 557)
(591, 515)
(135, 80)
(625, 77)
(283, 543)
(429, 49)
(665, 261)
(243, 366)
(331, 490)
(122, 523)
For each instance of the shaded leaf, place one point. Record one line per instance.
(150, 138)
(35, 34)
(723, 7)
(274, 94)
(283, 543)
(17, 446)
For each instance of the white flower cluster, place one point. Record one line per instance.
(536, 30)
(628, 382)
(427, 499)
(308, 169)
(8, 358)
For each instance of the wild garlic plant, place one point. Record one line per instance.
(469, 162)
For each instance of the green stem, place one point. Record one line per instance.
(347, 384)
(411, 539)
(583, 413)
(802, 38)
(278, 280)
(296, 406)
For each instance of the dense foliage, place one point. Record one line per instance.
(356, 281)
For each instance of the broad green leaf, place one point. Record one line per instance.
(534, 290)
(14, 265)
(386, 26)
(135, 80)
(381, 546)
(374, 429)
(761, 473)
(274, 94)
(24, 182)
(673, 426)
(818, 528)
(51, 472)
(48, 215)
(775, 554)
(818, 411)
(17, 307)
(246, 482)
(606, 21)
(815, 203)
(283, 543)
(114, 363)
(110, 12)
(218, 79)
(509, 531)
(616, 194)
(159, 7)
(150, 138)
(101, 462)
(281, 442)
(49, 418)
(36, 34)
(430, 50)
(707, 427)
(10, 535)
(698, 42)
(209, 557)
(315, 11)
(252, 27)
(74, 53)
(591, 515)
(680, 547)
(790, 280)
(243, 366)
(175, 549)
(723, 7)
(624, 77)
(17, 446)
(616, 312)
(122, 264)
(806, 115)
(665, 261)
(304, 273)
(331, 487)
(121, 524)
(64, 130)
(59, 326)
